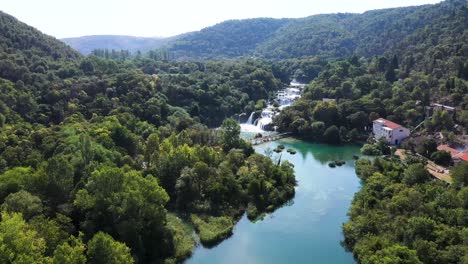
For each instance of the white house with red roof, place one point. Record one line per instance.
(392, 132)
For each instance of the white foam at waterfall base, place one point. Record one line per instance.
(262, 122)
(258, 125)
(249, 128)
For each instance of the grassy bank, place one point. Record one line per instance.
(212, 230)
(183, 238)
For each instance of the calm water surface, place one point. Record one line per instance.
(306, 230)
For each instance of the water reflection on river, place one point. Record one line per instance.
(306, 230)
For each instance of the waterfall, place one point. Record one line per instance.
(262, 122)
(250, 121)
(264, 119)
(252, 125)
(284, 98)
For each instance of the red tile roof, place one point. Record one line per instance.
(389, 123)
(464, 157)
(453, 152)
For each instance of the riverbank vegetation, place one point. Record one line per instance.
(106, 175)
(213, 229)
(402, 215)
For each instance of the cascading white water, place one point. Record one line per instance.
(250, 120)
(284, 98)
(250, 125)
(263, 122)
(266, 117)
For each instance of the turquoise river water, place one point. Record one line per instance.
(307, 229)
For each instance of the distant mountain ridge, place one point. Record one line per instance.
(87, 44)
(376, 32)
(330, 35)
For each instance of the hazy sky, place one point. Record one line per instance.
(72, 18)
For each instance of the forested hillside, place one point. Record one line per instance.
(87, 44)
(368, 34)
(19, 38)
(332, 36)
(106, 160)
(25, 53)
(230, 39)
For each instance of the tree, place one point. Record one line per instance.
(86, 149)
(353, 135)
(371, 150)
(326, 112)
(394, 62)
(441, 157)
(87, 66)
(19, 242)
(459, 175)
(23, 202)
(441, 120)
(344, 134)
(2, 120)
(49, 229)
(126, 205)
(70, 252)
(186, 188)
(102, 248)
(55, 180)
(383, 146)
(427, 147)
(14, 180)
(123, 138)
(396, 254)
(390, 75)
(420, 228)
(358, 120)
(230, 132)
(373, 116)
(364, 168)
(464, 235)
(416, 173)
(427, 251)
(316, 130)
(152, 148)
(332, 135)
(201, 172)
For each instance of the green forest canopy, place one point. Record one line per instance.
(104, 158)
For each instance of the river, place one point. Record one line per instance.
(306, 230)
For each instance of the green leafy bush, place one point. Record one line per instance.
(371, 150)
